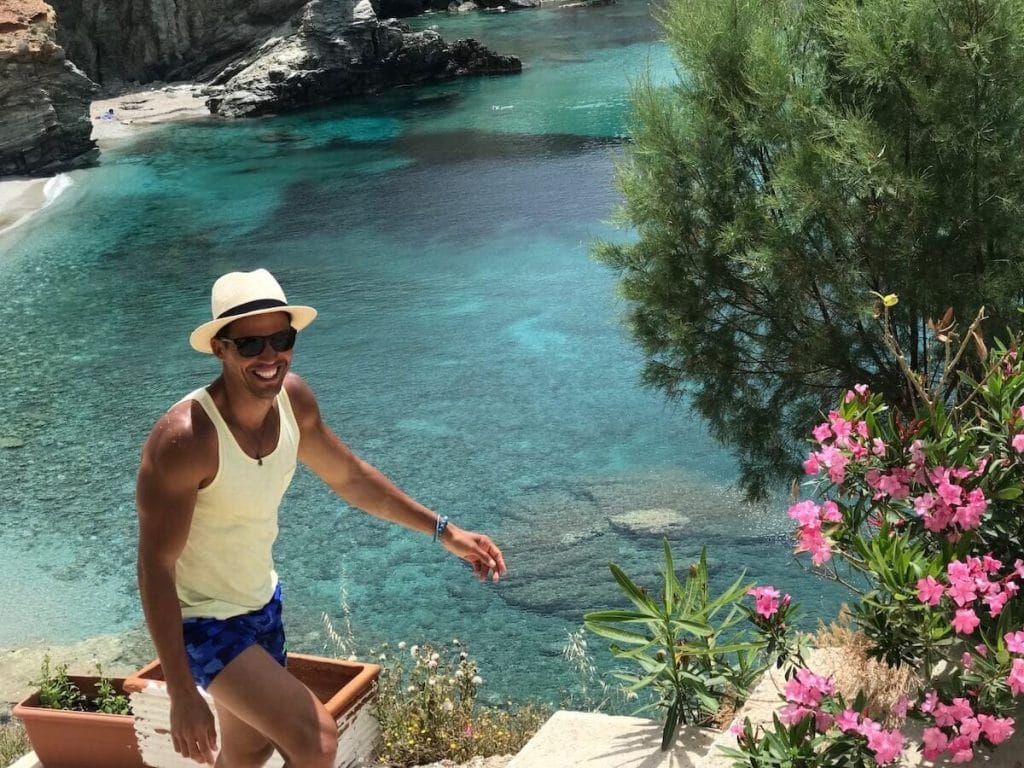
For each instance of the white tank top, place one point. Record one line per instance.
(227, 566)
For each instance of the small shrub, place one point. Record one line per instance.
(57, 691)
(13, 741)
(699, 656)
(426, 705)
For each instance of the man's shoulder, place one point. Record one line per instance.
(182, 431)
(300, 395)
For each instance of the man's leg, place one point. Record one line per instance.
(261, 693)
(241, 745)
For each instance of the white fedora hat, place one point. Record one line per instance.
(243, 294)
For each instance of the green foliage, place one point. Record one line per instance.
(57, 691)
(426, 705)
(809, 153)
(107, 699)
(690, 648)
(800, 745)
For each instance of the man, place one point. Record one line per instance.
(213, 472)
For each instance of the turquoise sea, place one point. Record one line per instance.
(468, 345)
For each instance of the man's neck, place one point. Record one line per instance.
(239, 406)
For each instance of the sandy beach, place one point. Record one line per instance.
(133, 113)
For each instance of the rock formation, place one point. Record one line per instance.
(327, 57)
(119, 41)
(44, 98)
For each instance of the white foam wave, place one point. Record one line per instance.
(56, 186)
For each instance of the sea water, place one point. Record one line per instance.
(468, 345)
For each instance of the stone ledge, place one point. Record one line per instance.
(595, 740)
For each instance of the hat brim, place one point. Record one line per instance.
(203, 335)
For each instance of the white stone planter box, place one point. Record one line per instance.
(348, 689)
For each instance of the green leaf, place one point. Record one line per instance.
(633, 592)
(615, 633)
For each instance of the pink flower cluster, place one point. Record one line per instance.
(766, 601)
(937, 496)
(965, 728)
(807, 692)
(969, 583)
(810, 536)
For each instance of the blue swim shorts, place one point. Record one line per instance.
(211, 644)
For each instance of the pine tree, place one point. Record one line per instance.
(808, 153)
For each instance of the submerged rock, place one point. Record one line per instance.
(44, 98)
(328, 56)
(647, 522)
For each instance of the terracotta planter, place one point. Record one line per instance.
(347, 688)
(66, 739)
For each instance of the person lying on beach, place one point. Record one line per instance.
(212, 475)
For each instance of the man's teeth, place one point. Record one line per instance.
(266, 374)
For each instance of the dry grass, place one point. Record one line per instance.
(856, 671)
(13, 741)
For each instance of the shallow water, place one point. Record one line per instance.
(468, 345)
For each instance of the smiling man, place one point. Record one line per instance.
(212, 475)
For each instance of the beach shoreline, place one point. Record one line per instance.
(133, 112)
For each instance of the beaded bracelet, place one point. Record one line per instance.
(440, 526)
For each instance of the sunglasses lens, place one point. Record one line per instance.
(282, 341)
(249, 346)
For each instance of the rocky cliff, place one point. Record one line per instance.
(327, 56)
(118, 41)
(44, 98)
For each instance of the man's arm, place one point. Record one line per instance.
(169, 478)
(366, 487)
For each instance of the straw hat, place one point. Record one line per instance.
(243, 294)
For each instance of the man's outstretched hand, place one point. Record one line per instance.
(477, 550)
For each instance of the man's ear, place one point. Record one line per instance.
(218, 347)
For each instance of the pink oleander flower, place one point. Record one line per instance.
(811, 466)
(935, 742)
(807, 688)
(766, 601)
(966, 660)
(996, 729)
(878, 447)
(822, 721)
(811, 540)
(949, 493)
(965, 621)
(887, 746)
(981, 649)
(736, 729)
(930, 591)
(830, 512)
(990, 564)
(1018, 442)
(995, 602)
(1014, 642)
(822, 432)
(1016, 677)
(962, 592)
(970, 728)
(806, 513)
(791, 714)
(931, 698)
(848, 720)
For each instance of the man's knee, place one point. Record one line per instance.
(254, 757)
(318, 744)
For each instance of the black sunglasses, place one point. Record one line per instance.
(251, 346)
